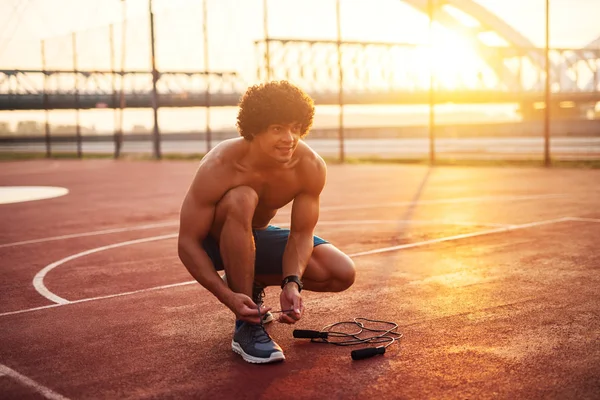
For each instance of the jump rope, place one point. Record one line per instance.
(328, 335)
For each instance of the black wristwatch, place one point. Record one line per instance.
(292, 278)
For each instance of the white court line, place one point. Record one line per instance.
(285, 213)
(41, 389)
(443, 201)
(40, 287)
(408, 222)
(109, 296)
(584, 219)
(38, 280)
(32, 309)
(456, 237)
(65, 302)
(94, 233)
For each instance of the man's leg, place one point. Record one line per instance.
(328, 270)
(232, 228)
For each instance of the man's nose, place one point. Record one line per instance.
(289, 135)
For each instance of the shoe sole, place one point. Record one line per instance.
(274, 357)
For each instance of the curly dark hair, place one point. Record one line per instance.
(277, 102)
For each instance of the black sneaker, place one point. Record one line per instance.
(254, 344)
(258, 293)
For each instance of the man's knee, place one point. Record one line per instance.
(239, 202)
(336, 267)
(347, 272)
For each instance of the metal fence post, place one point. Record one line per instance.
(266, 31)
(114, 88)
(77, 105)
(207, 75)
(45, 100)
(431, 12)
(341, 80)
(156, 131)
(547, 90)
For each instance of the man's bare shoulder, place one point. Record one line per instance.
(310, 159)
(223, 153)
(312, 167)
(215, 172)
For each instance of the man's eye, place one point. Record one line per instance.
(277, 128)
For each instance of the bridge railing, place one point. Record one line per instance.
(384, 66)
(367, 67)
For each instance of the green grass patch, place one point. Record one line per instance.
(193, 156)
(16, 156)
(468, 162)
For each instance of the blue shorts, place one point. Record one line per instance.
(270, 244)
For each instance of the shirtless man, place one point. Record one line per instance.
(237, 190)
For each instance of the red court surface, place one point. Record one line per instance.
(491, 273)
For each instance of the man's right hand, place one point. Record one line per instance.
(245, 309)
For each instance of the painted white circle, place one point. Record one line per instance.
(18, 194)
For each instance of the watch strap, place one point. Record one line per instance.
(292, 278)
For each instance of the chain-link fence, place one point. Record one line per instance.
(388, 80)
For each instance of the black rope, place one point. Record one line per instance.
(357, 334)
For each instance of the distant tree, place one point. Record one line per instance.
(140, 129)
(5, 128)
(29, 128)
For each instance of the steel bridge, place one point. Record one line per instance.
(373, 73)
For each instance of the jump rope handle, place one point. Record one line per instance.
(368, 352)
(308, 334)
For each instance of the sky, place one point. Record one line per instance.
(24, 23)
(234, 24)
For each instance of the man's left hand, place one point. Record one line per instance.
(290, 299)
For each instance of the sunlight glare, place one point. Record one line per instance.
(455, 63)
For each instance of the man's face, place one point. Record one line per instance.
(279, 141)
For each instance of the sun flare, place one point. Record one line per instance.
(453, 59)
(455, 62)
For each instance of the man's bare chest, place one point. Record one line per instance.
(274, 191)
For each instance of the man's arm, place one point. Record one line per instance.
(196, 219)
(305, 214)
(197, 214)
